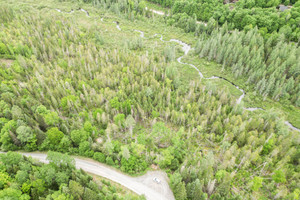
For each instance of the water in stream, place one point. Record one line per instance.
(72, 11)
(118, 26)
(86, 12)
(186, 48)
(141, 33)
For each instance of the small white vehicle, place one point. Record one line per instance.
(156, 180)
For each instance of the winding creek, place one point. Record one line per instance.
(118, 26)
(186, 48)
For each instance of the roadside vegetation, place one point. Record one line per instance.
(22, 178)
(79, 85)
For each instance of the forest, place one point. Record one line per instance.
(268, 62)
(244, 14)
(76, 84)
(273, 67)
(23, 178)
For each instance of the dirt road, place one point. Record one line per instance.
(140, 185)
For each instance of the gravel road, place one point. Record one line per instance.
(140, 185)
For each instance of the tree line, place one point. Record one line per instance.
(129, 108)
(244, 15)
(22, 178)
(273, 69)
(270, 65)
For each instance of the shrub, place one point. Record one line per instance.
(99, 157)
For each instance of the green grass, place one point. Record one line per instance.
(152, 45)
(208, 69)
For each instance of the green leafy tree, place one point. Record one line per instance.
(78, 136)
(22, 177)
(109, 161)
(69, 103)
(99, 157)
(130, 123)
(3, 49)
(4, 180)
(11, 161)
(17, 112)
(13, 194)
(8, 139)
(62, 161)
(51, 119)
(54, 136)
(25, 134)
(178, 186)
(256, 183)
(85, 149)
(58, 195)
(26, 187)
(125, 152)
(61, 178)
(47, 174)
(65, 144)
(89, 128)
(167, 158)
(76, 190)
(89, 194)
(279, 176)
(5, 110)
(169, 53)
(119, 119)
(38, 188)
(114, 103)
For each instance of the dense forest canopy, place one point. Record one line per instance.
(244, 14)
(273, 69)
(76, 84)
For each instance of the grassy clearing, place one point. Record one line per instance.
(251, 99)
(210, 68)
(113, 38)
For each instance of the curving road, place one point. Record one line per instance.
(143, 185)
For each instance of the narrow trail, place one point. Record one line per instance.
(186, 48)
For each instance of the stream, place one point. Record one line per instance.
(186, 48)
(86, 12)
(118, 26)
